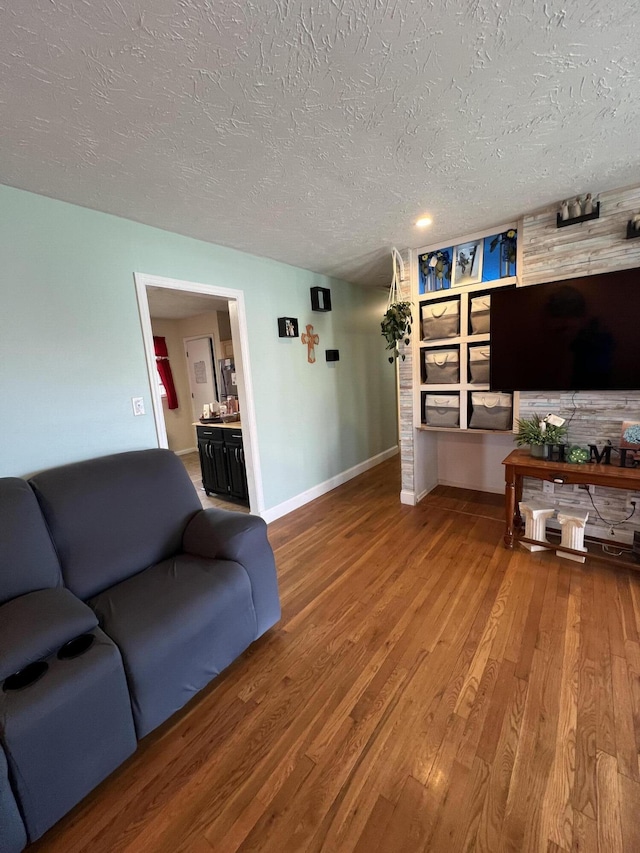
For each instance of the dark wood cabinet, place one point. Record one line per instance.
(222, 462)
(236, 465)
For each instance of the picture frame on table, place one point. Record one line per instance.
(467, 263)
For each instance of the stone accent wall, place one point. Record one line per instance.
(589, 248)
(405, 388)
(549, 254)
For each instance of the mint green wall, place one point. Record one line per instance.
(71, 353)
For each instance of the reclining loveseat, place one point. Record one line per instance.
(120, 598)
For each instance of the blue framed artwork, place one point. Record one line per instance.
(435, 270)
(467, 263)
(486, 259)
(500, 253)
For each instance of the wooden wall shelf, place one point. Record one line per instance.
(562, 223)
(632, 234)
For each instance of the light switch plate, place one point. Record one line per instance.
(138, 405)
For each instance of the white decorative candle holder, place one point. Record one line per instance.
(535, 524)
(572, 523)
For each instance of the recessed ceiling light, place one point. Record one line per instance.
(423, 222)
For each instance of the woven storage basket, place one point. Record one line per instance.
(442, 366)
(441, 320)
(479, 360)
(480, 308)
(442, 410)
(491, 411)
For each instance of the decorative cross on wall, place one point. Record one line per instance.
(310, 340)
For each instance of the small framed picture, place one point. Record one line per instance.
(467, 263)
(287, 327)
(630, 437)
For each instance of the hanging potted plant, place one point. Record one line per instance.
(396, 323)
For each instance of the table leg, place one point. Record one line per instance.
(518, 522)
(509, 505)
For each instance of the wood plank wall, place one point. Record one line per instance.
(588, 248)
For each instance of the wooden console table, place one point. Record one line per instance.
(520, 463)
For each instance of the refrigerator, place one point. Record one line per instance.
(227, 378)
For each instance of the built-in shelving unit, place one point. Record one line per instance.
(452, 346)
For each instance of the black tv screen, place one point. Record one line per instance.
(580, 334)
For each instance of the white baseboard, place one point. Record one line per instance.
(411, 499)
(303, 498)
(187, 450)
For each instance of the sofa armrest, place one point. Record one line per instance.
(238, 536)
(35, 625)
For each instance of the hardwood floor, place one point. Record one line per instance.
(426, 690)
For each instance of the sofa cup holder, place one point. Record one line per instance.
(76, 647)
(25, 677)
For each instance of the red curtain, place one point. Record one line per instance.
(164, 369)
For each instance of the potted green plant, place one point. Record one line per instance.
(396, 327)
(539, 434)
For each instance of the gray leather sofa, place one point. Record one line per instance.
(127, 598)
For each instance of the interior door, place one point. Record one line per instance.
(202, 378)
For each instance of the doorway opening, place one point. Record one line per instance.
(200, 355)
(178, 299)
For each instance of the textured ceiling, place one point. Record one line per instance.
(315, 131)
(167, 304)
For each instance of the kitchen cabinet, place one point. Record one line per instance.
(222, 462)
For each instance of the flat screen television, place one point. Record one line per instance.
(580, 334)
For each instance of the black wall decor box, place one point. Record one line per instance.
(332, 354)
(287, 327)
(320, 299)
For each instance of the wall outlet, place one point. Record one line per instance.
(138, 405)
(585, 487)
(547, 488)
(635, 497)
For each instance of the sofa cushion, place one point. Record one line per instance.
(28, 560)
(113, 516)
(177, 624)
(36, 625)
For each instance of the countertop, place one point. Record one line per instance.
(229, 425)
